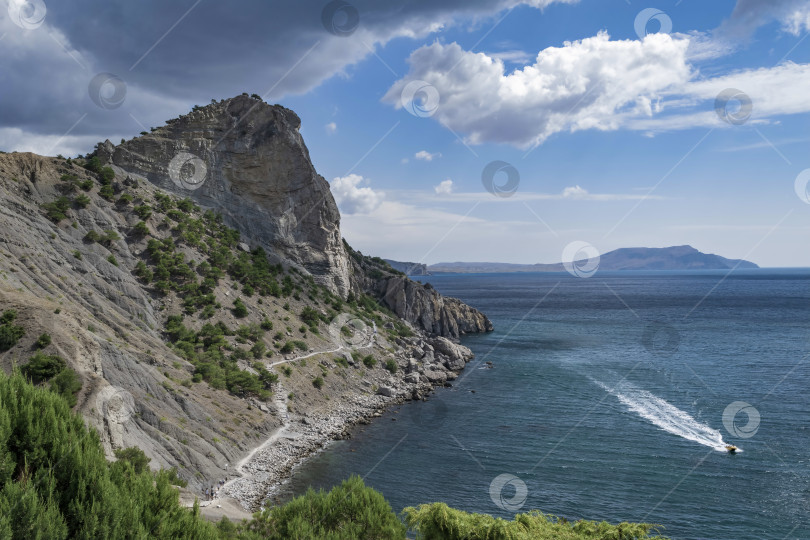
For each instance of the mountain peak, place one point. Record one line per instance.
(247, 160)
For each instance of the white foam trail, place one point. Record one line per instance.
(665, 415)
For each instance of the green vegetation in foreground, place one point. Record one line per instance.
(437, 521)
(56, 483)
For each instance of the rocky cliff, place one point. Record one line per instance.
(247, 160)
(409, 268)
(188, 343)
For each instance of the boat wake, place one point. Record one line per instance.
(665, 415)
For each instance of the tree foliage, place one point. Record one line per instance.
(437, 521)
(350, 511)
(10, 333)
(56, 483)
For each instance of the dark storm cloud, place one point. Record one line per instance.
(172, 55)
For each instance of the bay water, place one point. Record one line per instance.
(611, 398)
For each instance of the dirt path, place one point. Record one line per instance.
(280, 402)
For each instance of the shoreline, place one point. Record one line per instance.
(424, 364)
(269, 466)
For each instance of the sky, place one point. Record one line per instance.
(464, 130)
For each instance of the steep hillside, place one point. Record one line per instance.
(194, 340)
(247, 160)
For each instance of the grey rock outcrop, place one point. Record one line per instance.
(246, 159)
(409, 268)
(425, 308)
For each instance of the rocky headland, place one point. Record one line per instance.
(196, 280)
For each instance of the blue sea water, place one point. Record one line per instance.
(610, 399)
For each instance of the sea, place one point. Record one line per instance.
(611, 398)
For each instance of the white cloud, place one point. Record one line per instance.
(595, 83)
(331, 127)
(424, 155)
(445, 187)
(797, 20)
(574, 192)
(582, 85)
(353, 199)
(514, 56)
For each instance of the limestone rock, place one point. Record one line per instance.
(246, 159)
(427, 309)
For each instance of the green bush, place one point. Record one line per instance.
(56, 482)
(239, 309)
(107, 192)
(42, 367)
(67, 384)
(93, 236)
(143, 211)
(10, 333)
(318, 382)
(369, 361)
(82, 201)
(310, 316)
(86, 185)
(437, 521)
(140, 229)
(107, 175)
(391, 365)
(57, 210)
(350, 511)
(135, 457)
(43, 341)
(93, 164)
(112, 260)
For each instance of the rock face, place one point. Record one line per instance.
(246, 159)
(425, 308)
(409, 268)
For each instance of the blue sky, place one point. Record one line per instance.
(615, 134)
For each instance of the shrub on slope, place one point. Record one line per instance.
(56, 483)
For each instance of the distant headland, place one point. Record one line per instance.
(636, 258)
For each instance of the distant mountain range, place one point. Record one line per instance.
(669, 258)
